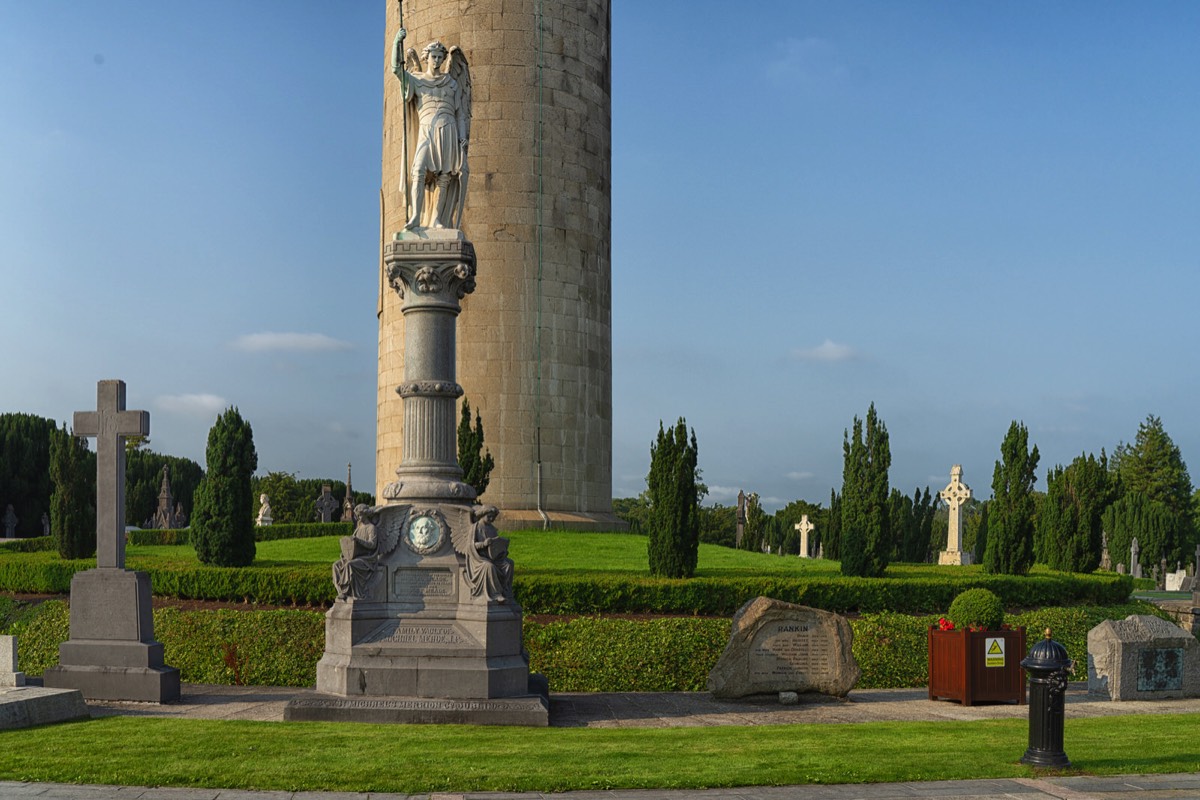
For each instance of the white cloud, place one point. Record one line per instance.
(827, 350)
(192, 404)
(799, 476)
(719, 493)
(295, 342)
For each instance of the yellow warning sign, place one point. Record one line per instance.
(995, 652)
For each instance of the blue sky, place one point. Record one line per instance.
(967, 213)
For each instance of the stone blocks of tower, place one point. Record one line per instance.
(535, 339)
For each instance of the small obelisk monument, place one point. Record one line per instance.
(954, 495)
(425, 627)
(111, 653)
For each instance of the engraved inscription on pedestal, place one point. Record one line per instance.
(1160, 669)
(415, 585)
(789, 650)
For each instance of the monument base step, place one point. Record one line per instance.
(135, 684)
(25, 706)
(954, 557)
(528, 519)
(531, 710)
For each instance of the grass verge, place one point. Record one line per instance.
(341, 757)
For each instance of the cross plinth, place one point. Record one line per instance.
(109, 424)
(805, 527)
(954, 496)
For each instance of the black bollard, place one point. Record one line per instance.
(1048, 666)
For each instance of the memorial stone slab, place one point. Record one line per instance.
(22, 706)
(782, 647)
(1142, 657)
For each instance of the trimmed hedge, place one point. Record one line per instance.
(706, 596)
(586, 654)
(37, 544)
(311, 584)
(263, 533)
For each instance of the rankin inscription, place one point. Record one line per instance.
(785, 651)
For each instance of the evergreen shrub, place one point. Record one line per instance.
(265, 533)
(36, 544)
(977, 608)
(281, 648)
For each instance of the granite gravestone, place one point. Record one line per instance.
(1142, 658)
(954, 495)
(805, 527)
(325, 504)
(10, 522)
(782, 647)
(1135, 563)
(111, 653)
(10, 676)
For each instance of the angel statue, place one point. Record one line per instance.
(353, 572)
(437, 135)
(489, 570)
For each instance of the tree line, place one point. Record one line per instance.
(1141, 491)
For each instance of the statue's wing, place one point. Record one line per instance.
(462, 529)
(388, 531)
(458, 68)
(412, 62)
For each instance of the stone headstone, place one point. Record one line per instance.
(10, 522)
(954, 495)
(1105, 558)
(111, 653)
(326, 504)
(1135, 564)
(1174, 582)
(10, 676)
(1120, 569)
(1142, 657)
(741, 519)
(45, 524)
(805, 527)
(782, 647)
(1188, 584)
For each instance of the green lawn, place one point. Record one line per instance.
(380, 758)
(559, 553)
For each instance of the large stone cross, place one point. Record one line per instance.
(805, 527)
(110, 423)
(954, 496)
(326, 504)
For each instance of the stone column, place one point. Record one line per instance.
(430, 276)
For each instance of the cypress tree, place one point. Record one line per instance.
(73, 503)
(1152, 523)
(866, 541)
(831, 537)
(674, 535)
(223, 520)
(1069, 522)
(1011, 512)
(476, 462)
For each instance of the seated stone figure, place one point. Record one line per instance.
(354, 572)
(489, 570)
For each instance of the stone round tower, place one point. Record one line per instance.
(535, 339)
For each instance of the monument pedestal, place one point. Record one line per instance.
(951, 557)
(425, 627)
(111, 653)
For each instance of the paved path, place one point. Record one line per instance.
(667, 709)
(678, 710)
(1133, 787)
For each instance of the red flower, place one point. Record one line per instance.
(945, 624)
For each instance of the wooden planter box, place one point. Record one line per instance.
(961, 669)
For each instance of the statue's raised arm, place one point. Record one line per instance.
(437, 134)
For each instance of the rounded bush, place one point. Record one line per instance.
(977, 608)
